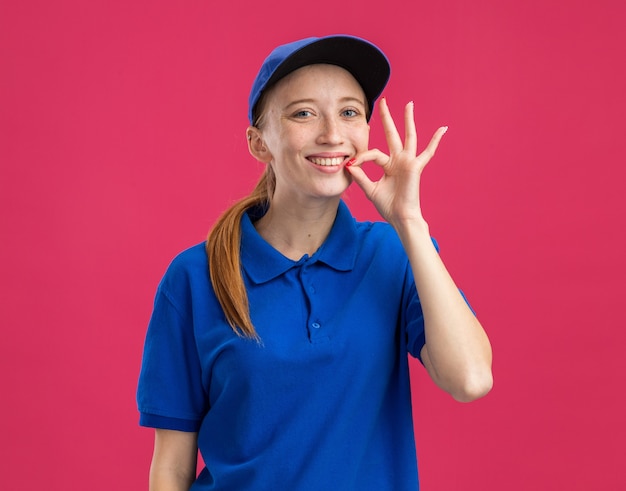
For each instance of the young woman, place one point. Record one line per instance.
(279, 347)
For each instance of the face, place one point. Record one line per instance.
(313, 122)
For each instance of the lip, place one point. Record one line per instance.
(328, 162)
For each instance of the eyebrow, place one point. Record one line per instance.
(344, 100)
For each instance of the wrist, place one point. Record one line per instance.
(412, 228)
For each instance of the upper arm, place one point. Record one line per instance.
(424, 356)
(174, 461)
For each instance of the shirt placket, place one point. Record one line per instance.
(315, 325)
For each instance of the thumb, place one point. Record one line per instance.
(360, 177)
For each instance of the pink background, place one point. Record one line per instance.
(122, 138)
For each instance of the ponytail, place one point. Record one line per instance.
(223, 249)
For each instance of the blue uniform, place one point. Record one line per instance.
(323, 402)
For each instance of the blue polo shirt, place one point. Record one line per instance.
(323, 402)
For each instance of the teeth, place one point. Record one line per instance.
(327, 161)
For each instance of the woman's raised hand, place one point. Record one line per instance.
(396, 194)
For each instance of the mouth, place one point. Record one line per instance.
(328, 161)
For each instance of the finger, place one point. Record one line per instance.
(429, 151)
(410, 133)
(360, 177)
(373, 155)
(391, 132)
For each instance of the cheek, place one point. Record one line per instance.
(361, 139)
(293, 139)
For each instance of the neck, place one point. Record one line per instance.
(295, 231)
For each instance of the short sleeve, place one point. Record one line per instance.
(170, 393)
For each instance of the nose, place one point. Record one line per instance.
(330, 131)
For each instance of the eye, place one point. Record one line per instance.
(303, 113)
(349, 113)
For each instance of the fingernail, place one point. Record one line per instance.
(445, 128)
(350, 162)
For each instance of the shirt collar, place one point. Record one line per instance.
(263, 263)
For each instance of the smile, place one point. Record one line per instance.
(327, 161)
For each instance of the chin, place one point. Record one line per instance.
(335, 190)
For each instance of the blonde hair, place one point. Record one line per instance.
(223, 248)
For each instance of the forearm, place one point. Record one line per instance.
(457, 354)
(163, 479)
(174, 461)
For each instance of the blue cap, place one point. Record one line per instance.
(366, 62)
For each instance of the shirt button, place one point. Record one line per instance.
(316, 325)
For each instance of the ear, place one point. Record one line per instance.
(256, 145)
